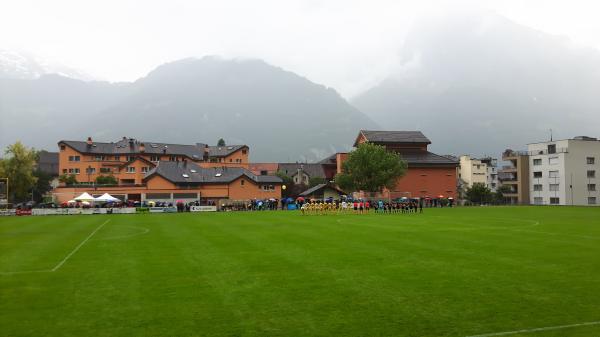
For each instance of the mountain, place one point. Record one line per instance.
(23, 65)
(480, 83)
(280, 115)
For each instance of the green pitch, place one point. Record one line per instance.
(448, 272)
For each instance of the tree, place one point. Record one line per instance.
(106, 180)
(42, 185)
(371, 168)
(312, 182)
(499, 195)
(221, 142)
(479, 193)
(68, 179)
(18, 167)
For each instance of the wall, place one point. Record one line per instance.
(429, 181)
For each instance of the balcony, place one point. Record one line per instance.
(545, 151)
(513, 154)
(507, 169)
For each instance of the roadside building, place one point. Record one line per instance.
(564, 172)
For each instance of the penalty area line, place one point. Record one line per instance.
(60, 264)
(557, 327)
(78, 246)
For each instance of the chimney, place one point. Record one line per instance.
(89, 141)
(142, 147)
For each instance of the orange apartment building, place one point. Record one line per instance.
(428, 174)
(162, 172)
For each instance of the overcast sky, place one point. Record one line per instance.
(348, 45)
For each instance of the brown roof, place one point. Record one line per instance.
(393, 137)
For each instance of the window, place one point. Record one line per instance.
(537, 174)
(553, 160)
(128, 181)
(74, 158)
(117, 158)
(231, 160)
(145, 169)
(553, 174)
(552, 148)
(100, 157)
(538, 200)
(74, 170)
(185, 196)
(537, 187)
(242, 182)
(537, 161)
(244, 151)
(268, 187)
(478, 167)
(554, 187)
(62, 147)
(591, 187)
(591, 200)
(158, 196)
(130, 158)
(65, 171)
(264, 172)
(172, 158)
(130, 169)
(154, 158)
(590, 160)
(554, 201)
(105, 170)
(591, 174)
(90, 170)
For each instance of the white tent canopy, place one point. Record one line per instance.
(84, 197)
(106, 198)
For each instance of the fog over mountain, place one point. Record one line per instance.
(23, 65)
(481, 83)
(474, 84)
(280, 115)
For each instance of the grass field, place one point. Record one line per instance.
(448, 272)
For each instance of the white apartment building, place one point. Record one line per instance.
(483, 171)
(565, 172)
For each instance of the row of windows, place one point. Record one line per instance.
(268, 187)
(551, 187)
(556, 201)
(92, 170)
(554, 161)
(554, 174)
(556, 187)
(131, 169)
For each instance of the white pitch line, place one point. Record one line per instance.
(78, 246)
(558, 327)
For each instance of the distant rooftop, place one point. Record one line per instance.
(392, 137)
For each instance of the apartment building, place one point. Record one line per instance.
(161, 171)
(491, 172)
(515, 176)
(472, 170)
(565, 172)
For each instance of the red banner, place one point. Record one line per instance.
(23, 212)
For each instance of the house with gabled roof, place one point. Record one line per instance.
(428, 175)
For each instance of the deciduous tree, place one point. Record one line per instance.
(371, 168)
